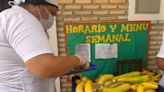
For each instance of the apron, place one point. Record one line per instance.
(30, 83)
(8, 89)
(34, 84)
(161, 83)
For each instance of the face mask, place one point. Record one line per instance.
(46, 23)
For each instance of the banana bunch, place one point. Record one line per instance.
(145, 81)
(80, 86)
(130, 74)
(88, 86)
(147, 87)
(144, 87)
(84, 85)
(156, 77)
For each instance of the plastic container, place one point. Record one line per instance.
(74, 83)
(160, 89)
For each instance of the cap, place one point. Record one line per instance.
(53, 2)
(17, 2)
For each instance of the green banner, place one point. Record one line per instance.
(131, 38)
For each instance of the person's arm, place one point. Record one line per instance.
(47, 65)
(160, 63)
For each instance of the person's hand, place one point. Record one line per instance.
(83, 61)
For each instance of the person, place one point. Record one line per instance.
(27, 63)
(160, 64)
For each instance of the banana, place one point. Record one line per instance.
(87, 65)
(150, 85)
(96, 80)
(121, 88)
(150, 90)
(104, 78)
(157, 77)
(140, 88)
(134, 87)
(77, 81)
(80, 87)
(104, 90)
(130, 74)
(88, 86)
(108, 82)
(84, 79)
(136, 80)
(79, 74)
(147, 72)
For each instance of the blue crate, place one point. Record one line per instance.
(74, 83)
(92, 67)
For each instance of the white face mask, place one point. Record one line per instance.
(46, 23)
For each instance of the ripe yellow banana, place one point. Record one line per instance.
(140, 88)
(147, 72)
(157, 77)
(104, 78)
(87, 65)
(150, 90)
(121, 88)
(136, 80)
(134, 87)
(150, 85)
(108, 82)
(80, 87)
(88, 86)
(77, 81)
(104, 90)
(84, 79)
(130, 74)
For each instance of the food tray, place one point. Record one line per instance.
(92, 67)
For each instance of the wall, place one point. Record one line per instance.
(101, 11)
(155, 33)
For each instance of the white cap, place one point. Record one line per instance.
(16, 2)
(53, 2)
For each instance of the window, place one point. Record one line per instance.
(146, 10)
(147, 7)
